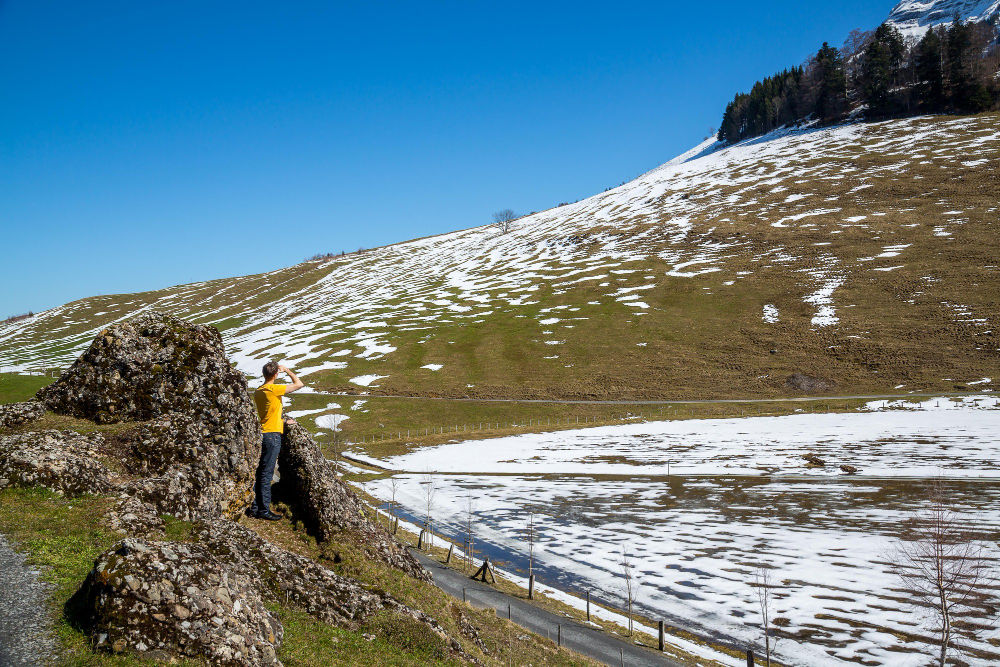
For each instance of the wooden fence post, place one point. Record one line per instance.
(588, 606)
(451, 548)
(531, 587)
(750, 662)
(661, 636)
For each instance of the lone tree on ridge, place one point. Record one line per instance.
(504, 219)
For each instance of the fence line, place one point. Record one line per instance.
(392, 520)
(20, 370)
(390, 435)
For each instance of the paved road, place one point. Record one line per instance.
(800, 399)
(25, 633)
(575, 636)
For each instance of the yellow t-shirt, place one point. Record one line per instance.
(268, 401)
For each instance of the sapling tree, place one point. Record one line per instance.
(630, 584)
(428, 491)
(763, 588)
(469, 509)
(948, 575)
(530, 532)
(393, 484)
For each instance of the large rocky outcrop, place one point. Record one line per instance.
(200, 446)
(330, 507)
(63, 461)
(17, 414)
(166, 599)
(191, 453)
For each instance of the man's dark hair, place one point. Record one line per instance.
(270, 369)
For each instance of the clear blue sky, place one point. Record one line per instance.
(147, 144)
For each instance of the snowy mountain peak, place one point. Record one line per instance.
(914, 17)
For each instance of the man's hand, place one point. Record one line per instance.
(296, 382)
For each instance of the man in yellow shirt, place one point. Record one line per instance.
(268, 401)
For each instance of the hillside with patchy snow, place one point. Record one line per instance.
(914, 17)
(861, 257)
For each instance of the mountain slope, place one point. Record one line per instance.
(914, 17)
(861, 256)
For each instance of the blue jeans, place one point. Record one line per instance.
(270, 447)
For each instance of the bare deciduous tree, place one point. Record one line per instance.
(947, 574)
(531, 535)
(428, 489)
(393, 492)
(503, 220)
(763, 588)
(631, 584)
(470, 528)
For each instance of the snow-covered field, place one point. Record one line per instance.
(697, 538)
(938, 437)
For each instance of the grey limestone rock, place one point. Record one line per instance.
(63, 461)
(162, 600)
(199, 446)
(289, 578)
(282, 576)
(330, 506)
(17, 414)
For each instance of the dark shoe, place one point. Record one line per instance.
(250, 512)
(269, 516)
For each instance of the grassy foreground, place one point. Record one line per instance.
(63, 536)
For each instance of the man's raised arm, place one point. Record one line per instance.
(296, 382)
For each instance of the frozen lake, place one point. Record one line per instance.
(739, 494)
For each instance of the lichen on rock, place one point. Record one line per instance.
(18, 414)
(163, 600)
(63, 461)
(330, 507)
(289, 578)
(202, 440)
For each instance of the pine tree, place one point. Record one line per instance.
(967, 94)
(929, 63)
(880, 71)
(831, 100)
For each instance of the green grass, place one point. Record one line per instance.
(62, 537)
(399, 642)
(15, 388)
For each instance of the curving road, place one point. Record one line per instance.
(575, 636)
